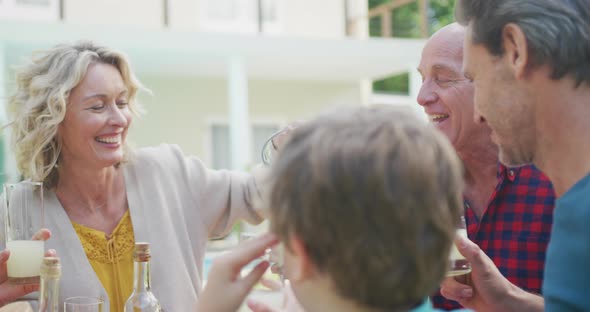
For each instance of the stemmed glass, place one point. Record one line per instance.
(273, 255)
(270, 292)
(269, 149)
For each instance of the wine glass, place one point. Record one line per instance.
(458, 264)
(269, 292)
(269, 149)
(83, 304)
(273, 255)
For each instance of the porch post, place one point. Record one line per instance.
(8, 171)
(415, 83)
(239, 120)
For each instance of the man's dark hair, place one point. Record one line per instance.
(557, 32)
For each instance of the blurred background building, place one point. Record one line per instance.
(226, 74)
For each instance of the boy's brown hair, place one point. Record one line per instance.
(375, 195)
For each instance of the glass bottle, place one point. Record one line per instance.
(459, 266)
(49, 291)
(142, 299)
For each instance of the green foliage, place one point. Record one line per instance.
(375, 27)
(406, 19)
(406, 24)
(441, 13)
(398, 84)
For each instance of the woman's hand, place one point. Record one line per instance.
(10, 292)
(226, 289)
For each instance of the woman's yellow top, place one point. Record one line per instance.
(111, 257)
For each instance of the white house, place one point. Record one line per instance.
(220, 71)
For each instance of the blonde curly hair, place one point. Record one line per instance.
(39, 104)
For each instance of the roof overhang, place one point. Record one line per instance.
(166, 52)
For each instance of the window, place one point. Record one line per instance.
(220, 149)
(222, 10)
(33, 2)
(269, 9)
(36, 10)
(246, 16)
(271, 16)
(229, 16)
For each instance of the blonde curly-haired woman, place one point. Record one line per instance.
(71, 112)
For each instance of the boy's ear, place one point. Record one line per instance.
(302, 267)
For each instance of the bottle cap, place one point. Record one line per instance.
(142, 251)
(51, 267)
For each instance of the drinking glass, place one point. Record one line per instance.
(273, 255)
(83, 304)
(269, 149)
(458, 264)
(23, 217)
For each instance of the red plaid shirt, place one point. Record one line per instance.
(514, 229)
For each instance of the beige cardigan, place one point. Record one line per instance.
(176, 204)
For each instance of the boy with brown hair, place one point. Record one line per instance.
(366, 202)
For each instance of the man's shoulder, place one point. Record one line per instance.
(575, 203)
(579, 191)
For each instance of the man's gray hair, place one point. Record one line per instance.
(557, 31)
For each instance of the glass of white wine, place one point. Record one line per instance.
(269, 292)
(273, 255)
(83, 304)
(458, 263)
(23, 217)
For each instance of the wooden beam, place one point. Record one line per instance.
(61, 10)
(386, 24)
(166, 13)
(424, 24)
(387, 7)
(259, 11)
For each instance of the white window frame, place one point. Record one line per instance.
(246, 20)
(10, 9)
(275, 27)
(242, 23)
(212, 121)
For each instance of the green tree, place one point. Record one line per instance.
(405, 23)
(441, 13)
(405, 20)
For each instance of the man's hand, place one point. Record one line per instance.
(485, 288)
(10, 292)
(226, 289)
